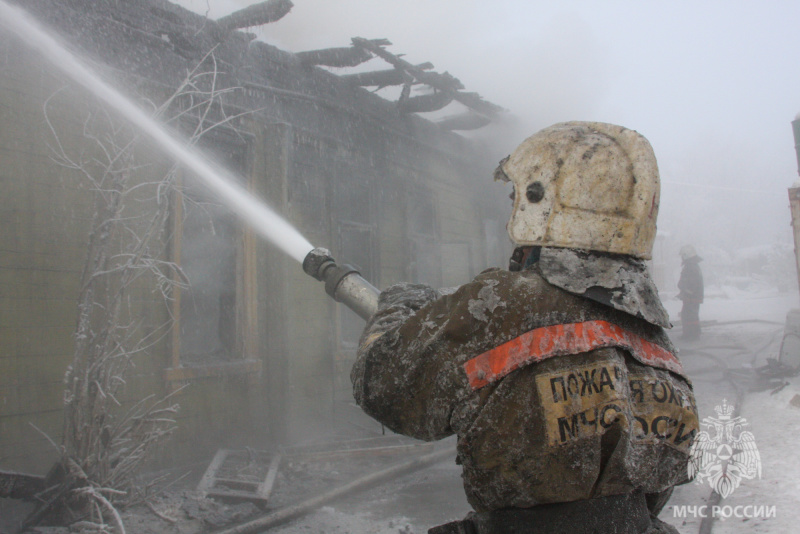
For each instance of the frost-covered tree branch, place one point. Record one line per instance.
(104, 445)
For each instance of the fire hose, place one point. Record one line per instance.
(291, 512)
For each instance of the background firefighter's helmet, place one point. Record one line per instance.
(585, 185)
(687, 251)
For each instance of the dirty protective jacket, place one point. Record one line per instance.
(690, 283)
(574, 425)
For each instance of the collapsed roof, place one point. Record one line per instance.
(157, 40)
(444, 88)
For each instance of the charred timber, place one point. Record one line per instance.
(476, 102)
(383, 78)
(20, 486)
(464, 121)
(256, 15)
(376, 47)
(425, 103)
(335, 57)
(438, 81)
(380, 78)
(442, 82)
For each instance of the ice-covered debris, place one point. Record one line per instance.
(486, 302)
(621, 282)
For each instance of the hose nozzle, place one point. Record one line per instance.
(343, 283)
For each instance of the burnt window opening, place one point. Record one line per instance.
(353, 204)
(208, 305)
(210, 241)
(309, 202)
(307, 193)
(422, 215)
(425, 266)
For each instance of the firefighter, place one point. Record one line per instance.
(690, 286)
(572, 412)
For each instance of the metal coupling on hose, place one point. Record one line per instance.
(343, 283)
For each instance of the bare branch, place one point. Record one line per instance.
(104, 443)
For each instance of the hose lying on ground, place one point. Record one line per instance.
(285, 514)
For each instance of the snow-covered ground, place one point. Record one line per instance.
(729, 303)
(746, 329)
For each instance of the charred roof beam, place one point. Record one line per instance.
(380, 78)
(425, 103)
(256, 15)
(349, 56)
(445, 83)
(435, 80)
(464, 121)
(383, 78)
(335, 57)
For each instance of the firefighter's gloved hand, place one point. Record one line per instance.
(412, 296)
(396, 304)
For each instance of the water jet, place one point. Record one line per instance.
(254, 212)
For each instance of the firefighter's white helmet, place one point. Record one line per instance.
(687, 251)
(585, 185)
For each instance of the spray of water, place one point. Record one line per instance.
(265, 221)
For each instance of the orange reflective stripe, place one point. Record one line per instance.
(560, 340)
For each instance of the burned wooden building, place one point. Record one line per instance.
(263, 352)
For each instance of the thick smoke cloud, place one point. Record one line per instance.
(712, 85)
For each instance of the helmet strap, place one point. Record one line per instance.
(523, 257)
